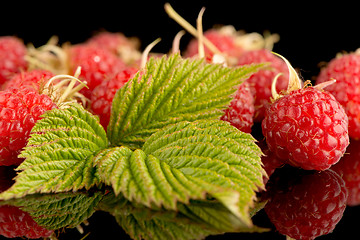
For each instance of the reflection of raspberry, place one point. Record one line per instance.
(308, 127)
(13, 221)
(349, 169)
(17, 223)
(306, 205)
(241, 110)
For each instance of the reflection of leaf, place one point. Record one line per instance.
(195, 220)
(58, 156)
(170, 90)
(54, 211)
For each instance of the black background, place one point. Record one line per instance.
(310, 33)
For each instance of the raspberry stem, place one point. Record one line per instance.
(146, 52)
(176, 42)
(294, 80)
(188, 27)
(62, 95)
(49, 57)
(201, 49)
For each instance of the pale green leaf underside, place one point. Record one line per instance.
(187, 160)
(58, 156)
(55, 211)
(171, 90)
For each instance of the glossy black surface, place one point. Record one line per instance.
(310, 34)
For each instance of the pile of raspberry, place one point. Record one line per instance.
(305, 128)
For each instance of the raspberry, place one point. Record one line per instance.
(269, 160)
(308, 127)
(103, 95)
(301, 209)
(260, 82)
(20, 108)
(241, 110)
(221, 39)
(12, 53)
(31, 79)
(117, 43)
(345, 70)
(96, 65)
(349, 169)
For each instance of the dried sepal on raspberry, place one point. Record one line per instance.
(48, 57)
(306, 126)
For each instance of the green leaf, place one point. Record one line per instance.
(170, 90)
(184, 161)
(58, 156)
(55, 211)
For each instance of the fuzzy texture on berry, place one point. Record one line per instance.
(349, 169)
(103, 95)
(345, 70)
(12, 53)
(224, 42)
(96, 64)
(241, 111)
(306, 205)
(20, 108)
(31, 79)
(113, 42)
(17, 223)
(307, 127)
(260, 82)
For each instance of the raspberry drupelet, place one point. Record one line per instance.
(345, 69)
(307, 126)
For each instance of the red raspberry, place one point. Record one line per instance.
(349, 169)
(241, 111)
(103, 95)
(20, 108)
(223, 41)
(12, 53)
(308, 127)
(31, 79)
(305, 205)
(116, 43)
(96, 65)
(345, 70)
(260, 82)
(269, 160)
